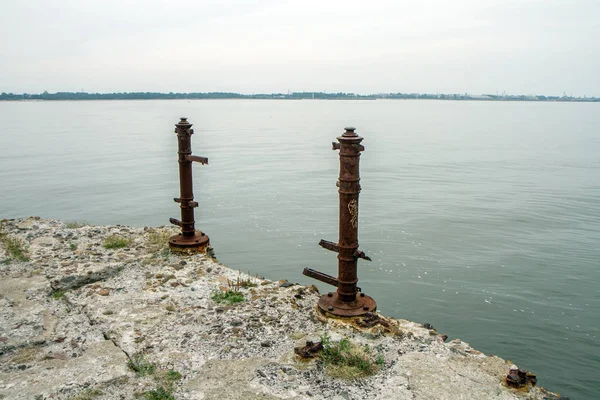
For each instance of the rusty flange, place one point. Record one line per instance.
(331, 304)
(197, 243)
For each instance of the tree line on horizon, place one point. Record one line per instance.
(289, 96)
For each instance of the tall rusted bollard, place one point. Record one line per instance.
(348, 300)
(189, 239)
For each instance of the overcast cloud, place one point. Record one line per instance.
(366, 46)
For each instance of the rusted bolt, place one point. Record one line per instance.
(330, 308)
(366, 308)
(330, 294)
(362, 295)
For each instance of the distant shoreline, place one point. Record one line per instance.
(78, 96)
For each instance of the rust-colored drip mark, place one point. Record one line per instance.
(347, 301)
(189, 239)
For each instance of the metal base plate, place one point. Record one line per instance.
(331, 304)
(197, 243)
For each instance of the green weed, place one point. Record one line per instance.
(58, 294)
(173, 376)
(158, 240)
(88, 394)
(228, 297)
(116, 242)
(16, 248)
(241, 283)
(76, 224)
(165, 254)
(159, 394)
(210, 252)
(140, 365)
(165, 381)
(348, 360)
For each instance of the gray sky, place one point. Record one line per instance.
(363, 46)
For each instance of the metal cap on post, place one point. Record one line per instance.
(348, 300)
(189, 239)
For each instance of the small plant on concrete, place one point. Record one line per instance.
(348, 360)
(16, 248)
(116, 242)
(88, 394)
(76, 224)
(58, 294)
(140, 365)
(240, 282)
(165, 254)
(165, 381)
(73, 246)
(173, 376)
(210, 252)
(228, 297)
(158, 240)
(160, 393)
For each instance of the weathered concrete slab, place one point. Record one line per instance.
(75, 317)
(58, 374)
(229, 379)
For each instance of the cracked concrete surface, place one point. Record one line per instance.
(74, 314)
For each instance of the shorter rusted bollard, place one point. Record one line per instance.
(348, 300)
(189, 239)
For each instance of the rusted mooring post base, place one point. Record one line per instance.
(189, 240)
(331, 303)
(189, 244)
(348, 300)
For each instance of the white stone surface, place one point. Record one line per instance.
(140, 299)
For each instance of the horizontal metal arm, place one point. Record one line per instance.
(201, 160)
(320, 276)
(334, 247)
(186, 202)
(361, 254)
(175, 221)
(326, 244)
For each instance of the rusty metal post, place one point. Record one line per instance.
(348, 300)
(189, 239)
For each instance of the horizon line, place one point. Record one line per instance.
(290, 94)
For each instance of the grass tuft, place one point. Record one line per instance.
(58, 294)
(76, 224)
(210, 252)
(160, 393)
(173, 376)
(88, 394)
(158, 240)
(116, 242)
(16, 248)
(228, 297)
(348, 360)
(140, 365)
(165, 254)
(165, 381)
(241, 283)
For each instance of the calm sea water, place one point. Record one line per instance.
(482, 218)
